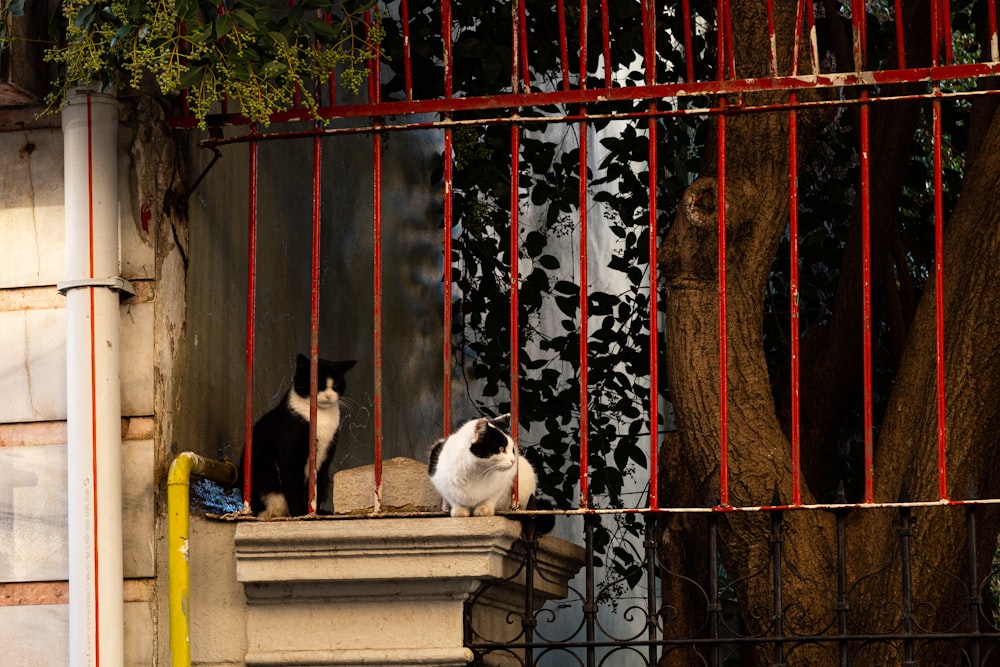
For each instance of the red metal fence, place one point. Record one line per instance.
(646, 64)
(661, 93)
(704, 88)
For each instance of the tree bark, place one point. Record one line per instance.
(756, 201)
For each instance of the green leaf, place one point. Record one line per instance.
(202, 34)
(122, 33)
(86, 16)
(321, 28)
(244, 18)
(185, 9)
(273, 68)
(278, 38)
(192, 78)
(223, 26)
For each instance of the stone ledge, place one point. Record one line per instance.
(437, 657)
(387, 591)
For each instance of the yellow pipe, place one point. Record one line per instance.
(178, 528)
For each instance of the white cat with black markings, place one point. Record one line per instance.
(474, 469)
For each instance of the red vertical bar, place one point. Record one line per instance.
(813, 44)
(900, 38)
(515, 282)
(446, 45)
(793, 233)
(251, 313)
(377, 282)
(991, 18)
(584, 314)
(796, 39)
(867, 301)
(722, 38)
(858, 31)
(563, 46)
(771, 40)
(404, 14)
(606, 43)
(448, 214)
(377, 240)
(723, 352)
(935, 32)
(939, 304)
(314, 317)
(946, 28)
(521, 35)
(448, 314)
(649, 41)
(654, 334)
(688, 47)
(583, 44)
(582, 204)
(730, 56)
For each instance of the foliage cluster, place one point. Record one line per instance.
(263, 55)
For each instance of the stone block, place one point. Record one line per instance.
(405, 488)
(218, 627)
(33, 512)
(34, 635)
(33, 366)
(33, 522)
(386, 591)
(32, 223)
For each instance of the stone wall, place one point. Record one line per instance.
(33, 432)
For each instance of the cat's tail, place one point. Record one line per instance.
(542, 523)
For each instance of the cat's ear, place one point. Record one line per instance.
(482, 425)
(301, 360)
(344, 366)
(502, 422)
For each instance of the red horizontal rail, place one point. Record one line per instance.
(589, 96)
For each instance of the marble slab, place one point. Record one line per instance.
(33, 366)
(33, 512)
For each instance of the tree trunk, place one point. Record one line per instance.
(756, 200)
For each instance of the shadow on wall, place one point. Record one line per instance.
(210, 413)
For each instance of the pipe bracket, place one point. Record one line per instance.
(115, 282)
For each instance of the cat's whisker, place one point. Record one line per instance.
(348, 404)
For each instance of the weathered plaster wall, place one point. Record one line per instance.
(33, 434)
(211, 414)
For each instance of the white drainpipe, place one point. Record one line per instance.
(93, 391)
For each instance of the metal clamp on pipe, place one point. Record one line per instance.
(178, 529)
(114, 282)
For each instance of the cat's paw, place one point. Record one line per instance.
(486, 509)
(275, 506)
(460, 511)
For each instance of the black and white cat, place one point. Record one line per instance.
(281, 443)
(474, 468)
